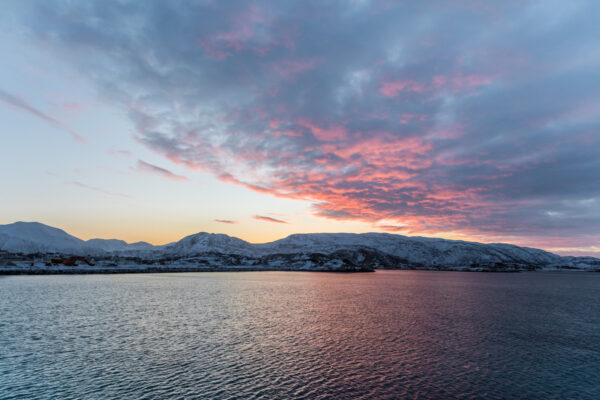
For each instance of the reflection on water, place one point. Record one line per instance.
(265, 335)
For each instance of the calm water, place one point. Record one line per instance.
(300, 335)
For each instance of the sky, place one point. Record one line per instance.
(152, 120)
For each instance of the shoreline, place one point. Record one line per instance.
(154, 270)
(108, 271)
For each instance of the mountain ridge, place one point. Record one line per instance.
(379, 250)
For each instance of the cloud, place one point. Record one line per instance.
(119, 153)
(225, 221)
(392, 228)
(269, 219)
(96, 189)
(145, 167)
(475, 119)
(21, 104)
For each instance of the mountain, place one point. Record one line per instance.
(420, 250)
(208, 242)
(298, 251)
(33, 237)
(114, 245)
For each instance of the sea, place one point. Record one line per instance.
(301, 335)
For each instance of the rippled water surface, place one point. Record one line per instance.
(300, 335)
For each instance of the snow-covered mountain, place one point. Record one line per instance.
(380, 250)
(427, 251)
(33, 237)
(113, 245)
(208, 242)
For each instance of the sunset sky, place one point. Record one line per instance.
(152, 120)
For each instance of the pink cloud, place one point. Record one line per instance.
(327, 134)
(274, 123)
(290, 69)
(393, 88)
(241, 35)
(145, 167)
(392, 228)
(226, 221)
(16, 102)
(455, 83)
(269, 219)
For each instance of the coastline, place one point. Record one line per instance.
(154, 270)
